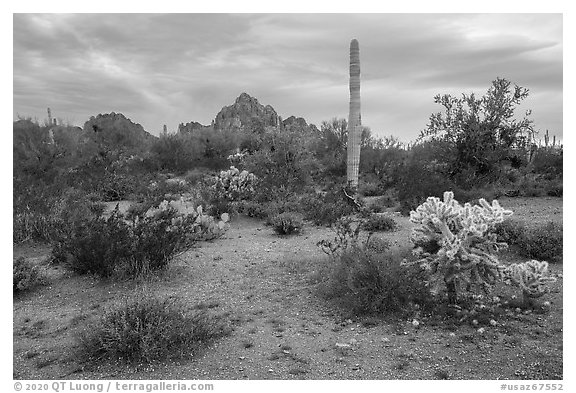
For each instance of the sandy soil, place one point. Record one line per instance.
(282, 329)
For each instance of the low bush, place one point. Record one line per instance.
(147, 328)
(379, 223)
(253, 209)
(544, 242)
(377, 244)
(97, 246)
(149, 241)
(287, 223)
(159, 190)
(45, 215)
(510, 231)
(25, 275)
(370, 189)
(326, 209)
(555, 189)
(368, 282)
(381, 204)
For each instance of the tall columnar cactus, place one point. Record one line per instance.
(354, 120)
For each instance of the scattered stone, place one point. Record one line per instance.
(493, 322)
(385, 339)
(475, 322)
(481, 330)
(353, 341)
(343, 345)
(452, 334)
(415, 323)
(518, 310)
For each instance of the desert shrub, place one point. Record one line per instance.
(32, 206)
(367, 282)
(346, 236)
(287, 223)
(473, 195)
(510, 231)
(217, 207)
(159, 190)
(31, 226)
(382, 203)
(543, 242)
(325, 209)
(555, 189)
(548, 162)
(194, 176)
(253, 209)
(45, 213)
(419, 181)
(148, 242)
(379, 223)
(26, 275)
(370, 189)
(147, 328)
(96, 246)
(377, 244)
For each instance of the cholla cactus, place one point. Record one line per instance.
(532, 277)
(235, 185)
(455, 243)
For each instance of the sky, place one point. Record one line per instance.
(169, 69)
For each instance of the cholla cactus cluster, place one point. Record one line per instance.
(234, 185)
(532, 277)
(455, 243)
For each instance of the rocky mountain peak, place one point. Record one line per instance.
(244, 113)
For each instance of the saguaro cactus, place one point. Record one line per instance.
(354, 121)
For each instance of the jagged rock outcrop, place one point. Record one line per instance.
(246, 113)
(190, 127)
(299, 124)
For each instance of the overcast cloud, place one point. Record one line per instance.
(172, 68)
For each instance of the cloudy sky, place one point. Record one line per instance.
(172, 68)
